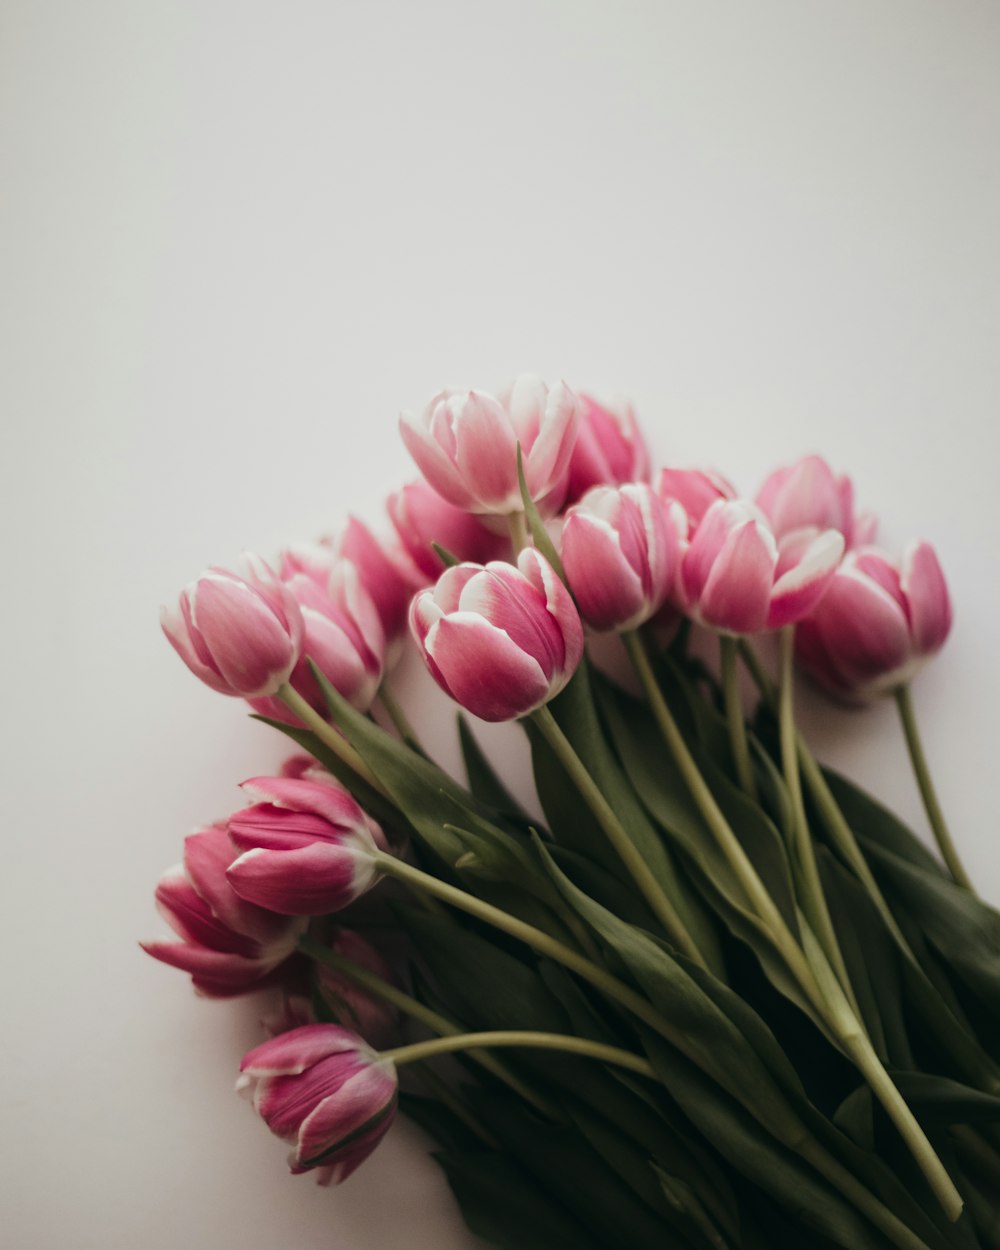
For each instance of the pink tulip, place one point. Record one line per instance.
(325, 1091)
(737, 578)
(877, 624)
(609, 449)
(306, 847)
(342, 636)
(808, 495)
(388, 575)
(620, 553)
(421, 517)
(695, 490)
(353, 1006)
(228, 945)
(501, 641)
(241, 634)
(465, 444)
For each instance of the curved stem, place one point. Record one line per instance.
(734, 717)
(927, 792)
(518, 528)
(418, 1011)
(400, 720)
(537, 1041)
(328, 735)
(660, 905)
(814, 901)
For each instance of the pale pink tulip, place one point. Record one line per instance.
(465, 444)
(620, 551)
(229, 946)
(240, 633)
(325, 1091)
(808, 495)
(878, 623)
(609, 449)
(501, 641)
(306, 847)
(737, 578)
(421, 518)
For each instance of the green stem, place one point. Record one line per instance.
(661, 906)
(814, 901)
(400, 720)
(328, 735)
(518, 528)
(734, 717)
(837, 1016)
(536, 1041)
(418, 1011)
(927, 792)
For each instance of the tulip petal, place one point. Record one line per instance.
(797, 591)
(291, 1053)
(608, 590)
(863, 629)
(310, 881)
(927, 598)
(482, 668)
(347, 1126)
(737, 594)
(250, 646)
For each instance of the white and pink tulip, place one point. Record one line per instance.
(609, 450)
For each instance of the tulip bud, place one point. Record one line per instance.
(325, 1091)
(421, 518)
(387, 574)
(242, 635)
(465, 444)
(501, 641)
(353, 1006)
(620, 550)
(737, 578)
(228, 945)
(306, 848)
(807, 495)
(878, 623)
(609, 449)
(695, 490)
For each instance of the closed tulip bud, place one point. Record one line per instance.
(306, 847)
(342, 636)
(807, 494)
(421, 518)
(737, 578)
(878, 623)
(609, 449)
(620, 551)
(465, 444)
(240, 633)
(228, 945)
(325, 1091)
(695, 490)
(353, 1006)
(387, 574)
(501, 641)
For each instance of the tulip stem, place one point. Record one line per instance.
(401, 722)
(828, 1001)
(518, 527)
(932, 806)
(412, 1007)
(814, 900)
(329, 736)
(660, 905)
(535, 1041)
(734, 717)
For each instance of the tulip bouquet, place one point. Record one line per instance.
(714, 996)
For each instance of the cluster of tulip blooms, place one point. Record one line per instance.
(699, 882)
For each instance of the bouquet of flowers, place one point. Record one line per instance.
(716, 996)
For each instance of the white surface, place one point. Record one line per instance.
(239, 237)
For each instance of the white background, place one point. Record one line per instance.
(238, 237)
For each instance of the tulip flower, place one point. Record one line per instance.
(306, 847)
(325, 1091)
(465, 444)
(241, 634)
(376, 1020)
(620, 553)
(228, 945)
(388, 575)
(695, 490)
(878, 623)
(807, 494)
(609, 449)
(737, 578)
(421, 518)
(500, 640)
(342, 635)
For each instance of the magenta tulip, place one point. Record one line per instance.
(421, 518)
(325, 1091)
(229, 946)
(388, 575)
(465, 444)
(609, 450)
(306, 848)
(878, 623)
(241, 634)
(501, 641)
(353, 1006)
(737, 578)
(807, 494)
(620, 551)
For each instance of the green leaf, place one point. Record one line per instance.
(483, 780)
